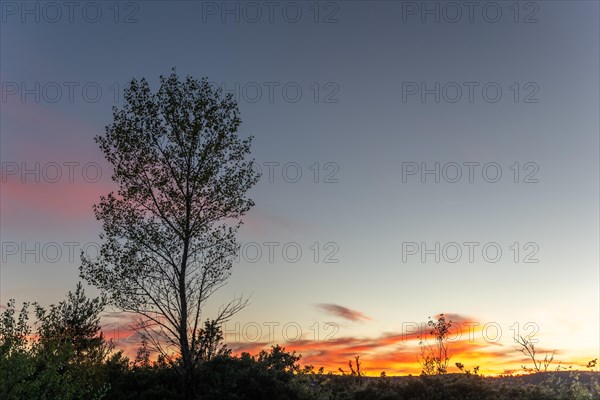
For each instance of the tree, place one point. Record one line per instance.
(142, 358)
(170, 230)
(73, 323)
(14, 331)
(434, 359)
(71, 347)
(63, 359)
(210, 342)
(16, 363)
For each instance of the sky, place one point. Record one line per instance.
(417, 158)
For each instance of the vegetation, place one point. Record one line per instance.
(434, 358)
(67, 357)
(527, 347)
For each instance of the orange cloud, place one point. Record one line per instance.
(396, 353)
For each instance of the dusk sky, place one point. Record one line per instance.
(417, 158)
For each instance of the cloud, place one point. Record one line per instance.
(397, 352)
(343, 312)
(54, 203)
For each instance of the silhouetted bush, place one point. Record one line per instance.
(269, 375)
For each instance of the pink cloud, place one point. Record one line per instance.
(52, 200)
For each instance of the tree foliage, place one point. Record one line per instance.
(63, 358)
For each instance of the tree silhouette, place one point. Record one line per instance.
(75, 323)
(528, 349)
(210, 342)
(63, 358)
(434, 359)
(170, 231)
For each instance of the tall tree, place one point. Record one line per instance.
(74, 323)
(169, 233)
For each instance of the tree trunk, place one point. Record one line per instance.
(186, 355)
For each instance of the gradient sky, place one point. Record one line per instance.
(357, 118)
